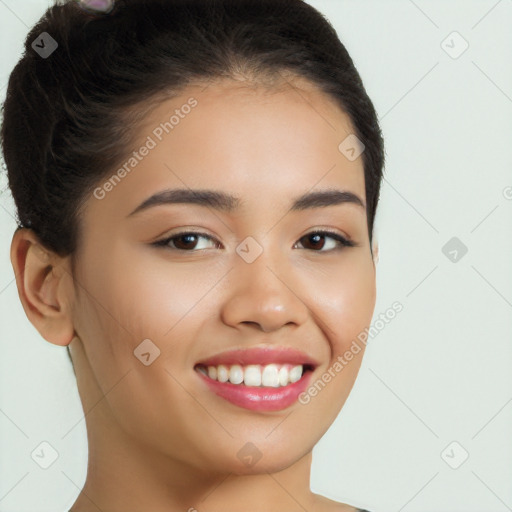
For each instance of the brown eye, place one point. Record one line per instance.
(316, 241)
(185, 241)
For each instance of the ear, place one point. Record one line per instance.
(375, 250)
(45, 287)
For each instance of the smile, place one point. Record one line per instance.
(270, 375)
(253, 380)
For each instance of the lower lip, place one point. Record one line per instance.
(259, 398)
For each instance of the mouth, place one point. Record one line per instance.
(258, 379)
(254, 375)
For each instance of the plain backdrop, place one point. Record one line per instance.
(428, 424)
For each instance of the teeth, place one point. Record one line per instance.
(252, 375)
(236, 374)
(283, 376)
(270, 376)
(222, 373)
(295, 373)
(255, 375)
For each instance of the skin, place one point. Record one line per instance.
(158, 439)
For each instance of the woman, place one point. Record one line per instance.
(196, 184)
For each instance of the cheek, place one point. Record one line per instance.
(348, 303)
(344, 299)
(130, 298)
(122, 306)
(345, 305)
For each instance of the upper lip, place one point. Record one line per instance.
(260, 355)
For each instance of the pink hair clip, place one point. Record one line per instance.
(96, 6)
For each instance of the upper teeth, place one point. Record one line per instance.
(270, 375)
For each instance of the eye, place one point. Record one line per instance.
(187, 241)
(317, 240)
(184, 241)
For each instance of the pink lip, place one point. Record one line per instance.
(259, 398)
(260, 355)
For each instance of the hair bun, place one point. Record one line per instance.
(96, 6)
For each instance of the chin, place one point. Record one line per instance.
(267, 458)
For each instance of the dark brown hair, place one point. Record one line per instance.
(68, 119)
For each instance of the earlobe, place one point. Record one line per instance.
(43, 283)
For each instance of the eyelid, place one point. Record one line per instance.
(328, 231)
(182, 230)
(344, 240)
(164, 242)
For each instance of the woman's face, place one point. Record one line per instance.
(254, 276)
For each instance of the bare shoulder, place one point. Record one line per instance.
(326, 505)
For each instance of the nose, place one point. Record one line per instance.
(263, 297)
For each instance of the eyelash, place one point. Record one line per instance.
(164, 243)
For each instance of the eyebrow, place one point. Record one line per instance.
(228, 203)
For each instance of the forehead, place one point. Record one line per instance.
(262, 144)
